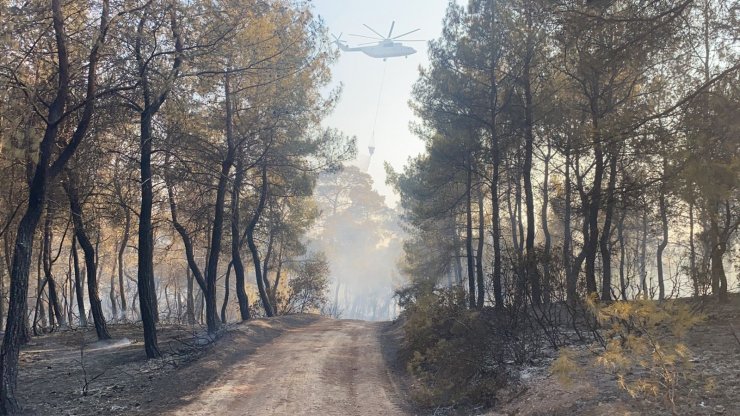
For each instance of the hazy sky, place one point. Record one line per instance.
(361, 78)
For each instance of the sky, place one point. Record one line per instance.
(361, 78)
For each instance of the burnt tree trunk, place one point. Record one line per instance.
(592, 242)
(90, 263)
(187, 242)
(121, 252)
(717, 252)
(190, 301)
(16, 326)
(112, 292)
(152, 103)
(215, 249)
(663, 242)
(605, 241)
(479, 252)
(78, 284)
(39, 307)
(457, 261)
(145, 279)
(236, 258)
(469, 239)
(253, 247)
(47, 264)
(571, 277)
(692, 250)
(622, 253)
(546, 278)
(225, 304)
(643, 256)
(532, 273)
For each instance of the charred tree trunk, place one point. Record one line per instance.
(47, 263)
(112, 292)
(643, 256)
(663, 242)
(266, 265)
(571, 277)
(547, 279)
(215, 249)
(531, 258)
(225, 304)
(622, 252)
(193, 268)
(718, 249)
(145, 278)
(236, 258)
(519, 218)
(498, 294)
(605, 241)
(692, 249)
(39, 308)
(71, 289)
(479, 252)
(511, 196)
(469, 239)
(121, 252)
(457, 261)
(276, 285)
(152, 104)
(20, 271)
(90, 263)
(253, 247)
(190, 302)
(78, 284)
(2, 289)
(594, 207)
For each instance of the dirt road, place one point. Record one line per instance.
(330, 367)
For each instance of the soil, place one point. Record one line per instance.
(330, 367)
(712, 386)
(301, 365)
(120, 378)
(313, 365)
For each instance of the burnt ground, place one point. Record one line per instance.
(307, 364)
(120, 380)
(711, 388)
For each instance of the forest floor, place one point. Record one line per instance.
(299, 365)
(711, 386)
(312, 365)
(55, 368)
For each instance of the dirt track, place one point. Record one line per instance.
(330, 367)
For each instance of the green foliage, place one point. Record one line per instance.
(450, 351)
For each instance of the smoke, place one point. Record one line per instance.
(363, 162)
(362, 240)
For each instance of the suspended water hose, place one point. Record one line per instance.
(371, 147)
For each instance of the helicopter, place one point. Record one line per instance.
(382, 46)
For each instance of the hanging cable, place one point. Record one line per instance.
(371, 147)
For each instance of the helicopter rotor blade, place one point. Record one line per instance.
(390, 32)
(412, 40)
(374, 31)
(366, 37)
(407, 33)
